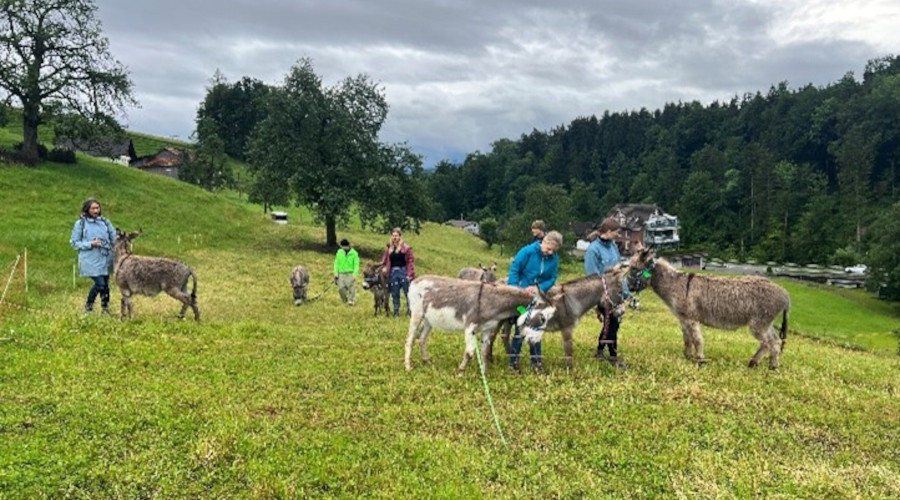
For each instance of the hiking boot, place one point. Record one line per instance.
(88, 309)
(538, 369)
(104, 311)
(515, 367)
(598, 354)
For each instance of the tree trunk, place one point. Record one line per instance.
(30, 121)
(330, 232)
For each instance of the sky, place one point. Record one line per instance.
(461, 74)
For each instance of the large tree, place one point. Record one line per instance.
(53, 51)
(323, 143)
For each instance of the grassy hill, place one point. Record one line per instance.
(266, 400)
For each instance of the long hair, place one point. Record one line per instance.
(86, 207)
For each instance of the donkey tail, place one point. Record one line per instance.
(194, 288)
(784, 325)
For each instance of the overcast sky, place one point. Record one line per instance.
(460, 74)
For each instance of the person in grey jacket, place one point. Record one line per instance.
(94, 236)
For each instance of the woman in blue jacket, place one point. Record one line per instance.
(536, 266)
(601, 255)
(94, 236)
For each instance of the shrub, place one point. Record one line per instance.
(61, 155)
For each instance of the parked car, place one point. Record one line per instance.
(857, 269)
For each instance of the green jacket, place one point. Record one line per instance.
(346, 262)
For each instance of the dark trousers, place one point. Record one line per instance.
(611, 340)
(515, 348)
(101, 287)
(399, 282)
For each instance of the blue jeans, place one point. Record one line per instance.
(515, 349)
(398, 281)
(101, 287)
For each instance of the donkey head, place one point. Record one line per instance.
(641, 268)
(123, 241)
(489, 274)
(371, 276)
(534, 320)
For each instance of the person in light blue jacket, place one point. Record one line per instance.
(94, 236)
(602, 255)
(536, 266)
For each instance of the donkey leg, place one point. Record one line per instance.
(759, 333)
(507, 327)
(567, 346)
(424, 333)
(687, 336)
(181, 296)
(410, 337)
(469, 351)
(774, 347)
(697, 341)
(125, 307)
(487, 346)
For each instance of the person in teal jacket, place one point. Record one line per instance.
(94, 237)
(346, 269)
(600, 256)
(536, 266)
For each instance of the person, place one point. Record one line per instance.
(398, 263)
(536, 266)
(346, 270)
(537, 229)
(603, 254)
(94, 236)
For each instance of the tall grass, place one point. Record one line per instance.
(267, 400)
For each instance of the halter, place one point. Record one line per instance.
(528, 312)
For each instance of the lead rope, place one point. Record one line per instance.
(487, 389)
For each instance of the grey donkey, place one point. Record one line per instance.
(720, 302)
(300, 284)
(151, 275)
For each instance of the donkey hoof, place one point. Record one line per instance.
(753, 363)
(701, 362)
(426, 361)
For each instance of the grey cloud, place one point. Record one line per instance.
(462, 74)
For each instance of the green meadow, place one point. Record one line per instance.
(262, 399)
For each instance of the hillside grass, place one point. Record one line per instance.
(262, 399)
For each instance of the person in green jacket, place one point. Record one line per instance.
(346, 269)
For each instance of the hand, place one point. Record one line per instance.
(335, 279)
(95, 243)
(531, 290)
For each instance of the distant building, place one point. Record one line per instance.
(647, 224)
(466, 225)
(166, 162)
(117, 150)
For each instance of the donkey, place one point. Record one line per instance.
(377, 282)
(471, 306)
(481, 273)
(300, 284)
(151, 275)
(572, 300)
(718, 302)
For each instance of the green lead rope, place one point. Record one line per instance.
(487, 391)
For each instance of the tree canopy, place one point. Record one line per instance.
(53, 56)
(322, 143)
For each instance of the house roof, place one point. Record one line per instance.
(106, 147)
(461, 224)
(166, 157)
(633, 216)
